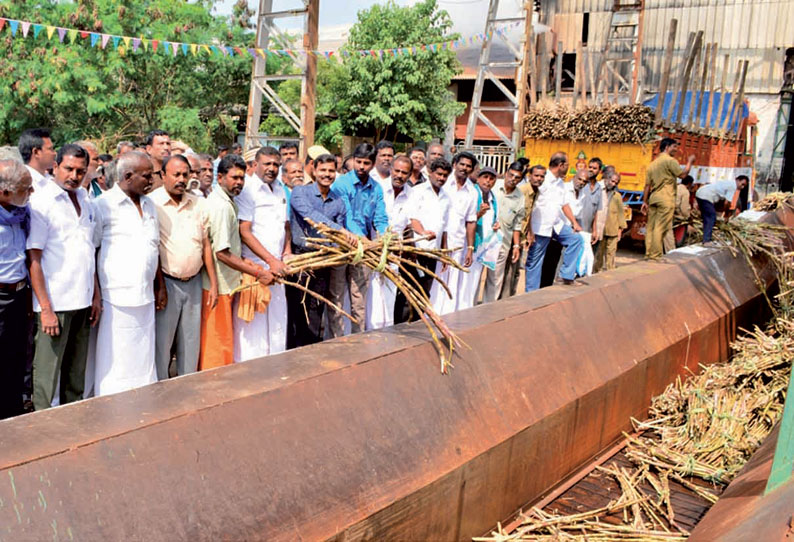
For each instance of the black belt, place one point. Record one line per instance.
(14, 286)
(179, 279)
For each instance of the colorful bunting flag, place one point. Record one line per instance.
(227, 50)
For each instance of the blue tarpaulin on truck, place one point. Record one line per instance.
(701, 109)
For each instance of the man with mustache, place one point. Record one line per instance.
(184, 250)
(217, 330)
(127, 235)
(62, 273)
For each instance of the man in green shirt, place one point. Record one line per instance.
(659, 195)
(510, 202)
(217, 335)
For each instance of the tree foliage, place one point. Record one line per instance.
(406, 94)
(116, 94)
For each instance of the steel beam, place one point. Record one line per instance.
(361, 438)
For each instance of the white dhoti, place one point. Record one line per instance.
(459, 284)
(124, 349)
(380, 302)
(266, 334)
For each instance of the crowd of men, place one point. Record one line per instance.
(119, 271)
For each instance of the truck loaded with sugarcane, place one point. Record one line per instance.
(722, 139)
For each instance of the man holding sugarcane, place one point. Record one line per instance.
(366, 217)
(264, 230)
(318, 203)
(217, 332)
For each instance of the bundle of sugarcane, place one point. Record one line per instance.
(392, 256)
(774, 201)
(597, 123)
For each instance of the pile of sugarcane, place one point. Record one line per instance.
(392, 256)
(773, 201)
(594, 124)
(704, 427)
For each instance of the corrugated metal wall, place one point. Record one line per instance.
(755, 30)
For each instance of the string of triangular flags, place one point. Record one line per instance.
(125, 44)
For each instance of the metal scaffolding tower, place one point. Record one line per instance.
(266, 35)
(478, 111)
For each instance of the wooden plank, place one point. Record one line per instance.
(577, 76)
(712, 80)
(543, 55)
(736, 76)
(590, 60)
(558, 73)
(723, 82)
(677, 98)
(687, 73)
(701, 94)
(736, 111)
(696, 70)
(529, 51)
(309, 88)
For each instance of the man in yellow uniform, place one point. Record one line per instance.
(659, 195)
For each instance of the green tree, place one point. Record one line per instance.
(114, 94)
(405, 94)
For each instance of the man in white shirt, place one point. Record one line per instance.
(128, 237)
(384, 154)
(434, 152)
(382, 293)
(460, 230)
(429, 214)
(62, 272)
(38, 155)
(184, 250)
(709, 195)
(264, 230)
(548, 222)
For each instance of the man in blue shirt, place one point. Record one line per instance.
(319, 204)
(15, 188)
(367, 218)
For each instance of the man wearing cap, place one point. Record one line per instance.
(312, 154)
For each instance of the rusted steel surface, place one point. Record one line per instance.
(361, 438)
(744, 513)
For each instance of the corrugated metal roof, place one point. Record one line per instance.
(757, 30)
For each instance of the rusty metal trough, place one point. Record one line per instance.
(362, 438)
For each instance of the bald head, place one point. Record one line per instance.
(134, 173)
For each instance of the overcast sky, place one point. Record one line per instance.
(336, 16)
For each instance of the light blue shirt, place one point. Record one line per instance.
(366, 209)
(14, 226)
